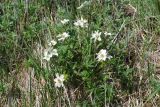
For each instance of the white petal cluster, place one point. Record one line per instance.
(59, 80)
(96, 36)
(102, 55)
(49, 52)
(107, 34)
(52, 43)
(63, 36)
(86, 3)
(64, 21)
(81, 23)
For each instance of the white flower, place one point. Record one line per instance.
(81, 23)
(102, 55)
(63, 36)
(96, 36)
(52, 43)
(64, 21)
(84, 4)
(59, 80)
(109, 56)
(49, 52)
(107, 34)
(54, 52)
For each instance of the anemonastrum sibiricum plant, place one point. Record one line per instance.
(52, 43)
(107, 34)
(49, 52)
(102, 55)
(63, 36)
(59, 80)
(64, 21)
(85, 3)
(96, 35)
(81, 23)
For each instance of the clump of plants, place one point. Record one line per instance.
(74, 53)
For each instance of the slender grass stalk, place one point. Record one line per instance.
(65, 90)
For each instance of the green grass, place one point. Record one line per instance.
(129, 79)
